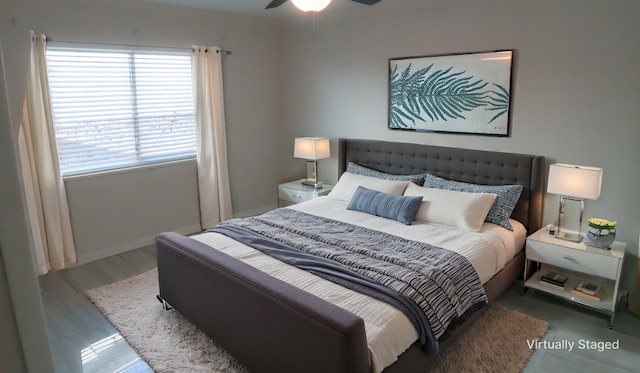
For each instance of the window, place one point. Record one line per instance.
(116, 108)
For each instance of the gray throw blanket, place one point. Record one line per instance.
(440, 283)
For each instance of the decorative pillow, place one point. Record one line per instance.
(402, 209)
(506, 200)
(462, 210)
(355, 168)
(348, 183)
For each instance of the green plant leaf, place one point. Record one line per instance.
(440, 95)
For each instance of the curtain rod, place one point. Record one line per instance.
(49, 38)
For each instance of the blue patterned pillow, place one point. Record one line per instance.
(506, 196)
(402, 209)
(355, 168)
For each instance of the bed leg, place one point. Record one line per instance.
(165, 305)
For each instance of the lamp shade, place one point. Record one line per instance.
(311, 5)
(311, 148)
(575, 181)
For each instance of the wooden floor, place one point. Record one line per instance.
(82, 339)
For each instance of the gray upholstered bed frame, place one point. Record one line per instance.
(272, 326)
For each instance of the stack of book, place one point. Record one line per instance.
(588, 290)
(554, 280)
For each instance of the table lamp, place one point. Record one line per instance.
(311, 149)
(573, 183)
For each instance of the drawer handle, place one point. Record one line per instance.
(297, 196)
(567, 257)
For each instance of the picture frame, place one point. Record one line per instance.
(466, 93)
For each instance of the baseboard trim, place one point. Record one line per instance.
(131, 245)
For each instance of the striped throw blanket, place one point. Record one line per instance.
(441, 282)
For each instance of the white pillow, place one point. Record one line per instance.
(346, 187)
(462, 210)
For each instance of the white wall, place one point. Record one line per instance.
(124, 210)
(121, 211)
(575, 97)
(10, 347)
(24, 344)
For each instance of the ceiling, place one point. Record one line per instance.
(257, 7)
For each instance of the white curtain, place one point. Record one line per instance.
(213, 173)
(44, 188)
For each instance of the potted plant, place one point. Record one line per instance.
(601, 232)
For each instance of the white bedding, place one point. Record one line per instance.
(389, 332)
(488, 250)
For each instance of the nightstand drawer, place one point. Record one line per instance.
(295, 196)
(295, 192)
(574, 260)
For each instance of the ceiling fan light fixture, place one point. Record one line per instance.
(311, 5)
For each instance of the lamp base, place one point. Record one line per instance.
(313, 184)
(574, 237)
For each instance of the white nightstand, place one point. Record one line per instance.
(294, 192)
(579, 262)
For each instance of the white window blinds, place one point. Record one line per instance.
(116, 108)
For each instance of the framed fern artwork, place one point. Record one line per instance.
(460, 93)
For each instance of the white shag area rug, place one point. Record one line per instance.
(497, 342)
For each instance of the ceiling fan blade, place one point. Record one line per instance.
(275, 4)
(367, 2)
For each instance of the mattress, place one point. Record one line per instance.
(389, 332)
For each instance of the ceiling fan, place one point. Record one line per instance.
(320, 4)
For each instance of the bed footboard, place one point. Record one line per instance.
(267, 324)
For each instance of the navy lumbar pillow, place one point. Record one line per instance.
(400, 208)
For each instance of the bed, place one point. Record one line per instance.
(272, 326)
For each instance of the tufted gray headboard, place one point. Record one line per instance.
(468, 165)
